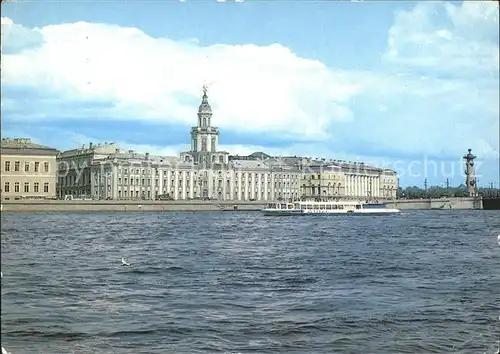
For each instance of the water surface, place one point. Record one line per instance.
(420, 282)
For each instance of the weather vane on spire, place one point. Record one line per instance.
(206, 85)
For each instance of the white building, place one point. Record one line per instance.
(205, 172)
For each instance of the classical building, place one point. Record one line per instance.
(334, 179)
(74, 169)
(29, 170)
(206, 172)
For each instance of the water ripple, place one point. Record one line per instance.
(425, 282)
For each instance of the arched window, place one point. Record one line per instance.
(221, 159)
(203, 144)
(213, 144)
(204, 122)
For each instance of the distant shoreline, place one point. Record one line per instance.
(197, 205)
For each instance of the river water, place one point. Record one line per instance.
(419, 282)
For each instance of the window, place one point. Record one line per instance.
(16, 166)
(16, 187)
(37, 166)
(7, 166)
(7, 187)
(26, 187)
(46, 166)
(46, 187)
(36, 187)
(26, 167)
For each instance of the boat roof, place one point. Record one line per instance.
(345, 202)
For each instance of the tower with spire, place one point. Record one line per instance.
(205, 139)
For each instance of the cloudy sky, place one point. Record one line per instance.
(405, 85)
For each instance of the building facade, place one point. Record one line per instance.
(335, 179)
(74, 169)
(28, 170)
(206, 172)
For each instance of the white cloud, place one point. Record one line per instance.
(461, 38)
(437, 95)
(149, 78)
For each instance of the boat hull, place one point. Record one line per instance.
(280, 212)
(373, 212)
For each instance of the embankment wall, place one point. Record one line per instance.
(441, 203)
(109, 206)
(120, 206)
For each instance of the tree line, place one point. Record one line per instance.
(439, 192)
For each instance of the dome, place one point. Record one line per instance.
(204, 105)
(259, 155)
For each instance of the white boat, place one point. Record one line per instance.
(333, 207)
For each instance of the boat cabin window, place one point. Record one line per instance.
(283, 206)
(358, 206)
(290, 206)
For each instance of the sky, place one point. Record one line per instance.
(403, 85)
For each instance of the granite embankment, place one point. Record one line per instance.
(133, 206)
(141, 206)
(440, 203)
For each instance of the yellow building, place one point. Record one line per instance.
(29, 170)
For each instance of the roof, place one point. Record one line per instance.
(259, 155)
(250, 164)
(22, 143)
(91, 149)
(24, 146)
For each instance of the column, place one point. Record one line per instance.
(176, 184)
(247, 183)
(265, 186)
(259, 186)
(238, 191)
(114, 182)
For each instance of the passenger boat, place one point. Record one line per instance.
(332, 207)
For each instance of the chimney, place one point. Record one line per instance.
(147, 155)
(91, 145)
(117, 151)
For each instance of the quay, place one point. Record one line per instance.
(128, 206)
(196, 205)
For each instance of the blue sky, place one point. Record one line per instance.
(396, 84)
